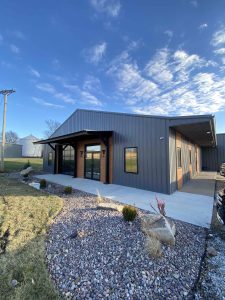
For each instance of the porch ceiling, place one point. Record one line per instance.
(75, 136)
(201, 133)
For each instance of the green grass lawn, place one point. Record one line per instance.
(25, 214)
(16, 164)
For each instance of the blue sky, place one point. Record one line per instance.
(155, 57)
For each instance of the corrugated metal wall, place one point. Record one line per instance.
(12, 150)
(213, 157)
(149, 134)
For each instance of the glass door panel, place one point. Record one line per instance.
(96, 165)
(88, 165)
(92, 162)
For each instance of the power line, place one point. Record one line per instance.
(5, 93)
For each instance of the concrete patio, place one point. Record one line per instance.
(184, 206)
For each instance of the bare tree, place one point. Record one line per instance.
(11, 137)
(52, 125)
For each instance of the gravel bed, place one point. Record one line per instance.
(212, 281)
(109, 260)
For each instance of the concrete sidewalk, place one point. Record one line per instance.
(187, 207)
(203, 184)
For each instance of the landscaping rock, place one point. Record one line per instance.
(110, 206)
(14, 283)
(26, 171)
(160, 227)
(211, 251)
(111, 262)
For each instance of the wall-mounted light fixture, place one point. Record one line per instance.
(161, 138)
(103, 153)
(81, 153)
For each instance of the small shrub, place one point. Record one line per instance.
(68, 190)
(129, 213)
(153, 246)
(27, 165)
(43, 184)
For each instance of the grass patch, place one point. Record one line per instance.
(25, 214)
(16, 164)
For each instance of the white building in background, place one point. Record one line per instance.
(29, 149)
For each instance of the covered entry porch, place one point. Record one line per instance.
(83, 154)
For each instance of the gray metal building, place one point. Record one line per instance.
(149, 152)
(12, 150)
(212, 158)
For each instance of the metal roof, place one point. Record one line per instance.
(68, 138)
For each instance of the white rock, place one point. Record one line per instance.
(160, 227)
(26, 171)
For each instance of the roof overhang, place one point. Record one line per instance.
(71, 138)
(200, 131)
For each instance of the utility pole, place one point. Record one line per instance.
(5, 93)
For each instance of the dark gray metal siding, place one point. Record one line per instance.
(12, 150)
(149, 134)
(213, 157)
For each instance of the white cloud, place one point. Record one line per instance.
(18, 34)
(109, 7)
(95, 54)
(220, 51)
(34, 72)
(194, 3)
(158, 69)
(218, 38)
(177, 83)
(90, 99)
(47, 104)
(49, 88)
(84, 94)
(169, 33)
(14, 49)
(203, 26)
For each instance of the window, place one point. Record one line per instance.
(131, 160)
(179, 165)
(190, 157)
(50, 158)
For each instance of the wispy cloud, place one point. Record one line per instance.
(6, 64)
(84, 94)
(169, 33)
(14, 48)
(56, 64)
(219, 51)
(194, 3)
(109, 7)
(171, 83)
(203, 26)
(45, 103)
(95, 54)
(34, 72)
(18, 34)
(218, 38)
(49, 88)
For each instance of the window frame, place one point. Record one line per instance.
(179, 166)
(124, 157)
(190, 157)
(50, 161)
